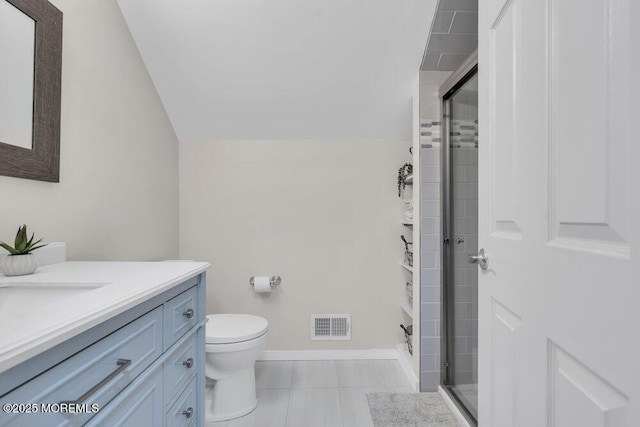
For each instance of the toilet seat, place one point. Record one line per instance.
(236, 346)
(234, 328)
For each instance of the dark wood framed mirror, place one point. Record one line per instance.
(39, 160)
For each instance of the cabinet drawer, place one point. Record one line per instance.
(180, 315)
(138, 406)
(99, 373)
(180, 367)
(183, 412)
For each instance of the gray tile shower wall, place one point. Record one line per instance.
(431, 236)
(430, 227)
(430, 131)
(464, 171)
(464, 133)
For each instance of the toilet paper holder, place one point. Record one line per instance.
(273, 280)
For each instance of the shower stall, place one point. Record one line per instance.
(459, 343)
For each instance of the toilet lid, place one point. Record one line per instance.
(231, 328)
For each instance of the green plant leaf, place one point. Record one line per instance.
(21, 237)
(17, 240)
(37, 247)
(23, 245)
(10, 249)
(29, 248)
(31, 245)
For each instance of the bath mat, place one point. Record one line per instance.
(410, 410)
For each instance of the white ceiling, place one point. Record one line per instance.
(283, 69)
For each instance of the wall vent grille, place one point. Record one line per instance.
(330, 327)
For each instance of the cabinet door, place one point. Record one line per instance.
(139, 342)
(183, 412)
(140, 405)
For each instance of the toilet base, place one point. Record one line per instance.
(234, 397)
(213, 418)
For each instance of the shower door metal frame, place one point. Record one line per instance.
(458, 78)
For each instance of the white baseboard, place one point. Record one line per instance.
(404, 358)
(456, 412)
(398, 354)
(330, 354)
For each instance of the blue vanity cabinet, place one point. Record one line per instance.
(180, 315)
(183, 411)
(139, 343)
(139, 405)
(180, 368)
(144, 367)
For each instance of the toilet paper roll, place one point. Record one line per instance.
(262, 284)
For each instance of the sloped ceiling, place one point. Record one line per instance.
(283, 69)
(454, 35)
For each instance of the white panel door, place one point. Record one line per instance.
(559, 213)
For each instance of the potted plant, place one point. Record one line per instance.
(403, 173)
(20, 261)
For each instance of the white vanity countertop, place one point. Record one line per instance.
(26, 332)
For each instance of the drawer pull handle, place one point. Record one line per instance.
(189, 313)
(188, 363)
(122, 365)
(188, 413)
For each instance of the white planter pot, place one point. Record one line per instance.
(18, 265)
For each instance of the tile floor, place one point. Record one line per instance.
(330, 393)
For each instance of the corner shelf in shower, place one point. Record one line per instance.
(409, 180)
(407, 267)
(407, 310)
(407, 224)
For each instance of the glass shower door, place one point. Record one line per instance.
(460, 373)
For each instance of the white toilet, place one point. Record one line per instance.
(233, 344)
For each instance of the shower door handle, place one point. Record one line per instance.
(481, 259)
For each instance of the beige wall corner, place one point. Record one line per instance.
(118, 192)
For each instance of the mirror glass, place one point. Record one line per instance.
(17, 41)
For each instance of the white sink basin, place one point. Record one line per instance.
(24, 296)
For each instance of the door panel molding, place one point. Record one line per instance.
(504, 348)
(579, 396)
(503, 124)
(589, 189)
